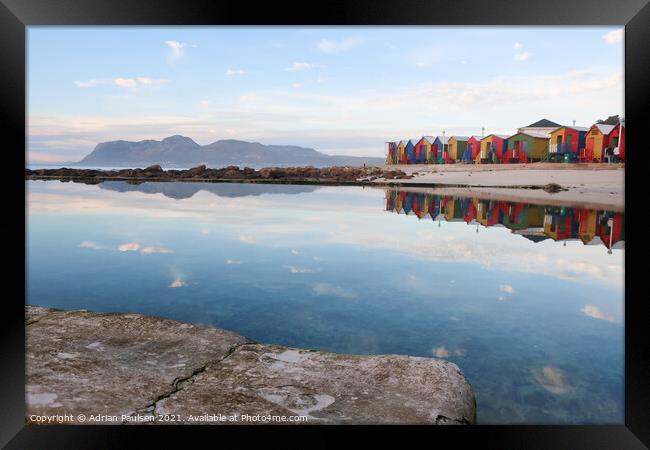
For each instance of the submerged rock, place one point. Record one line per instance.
(128, 365)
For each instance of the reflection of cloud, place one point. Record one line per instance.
(129, 247)
(440, 352)
(294, 269)
(501, 298)
(248, 238)
(329, 289)
(552, 379)
(233, 261)
(596, 313)
(507, 289)
(155, 249)
(179, 278)
(613, 37)
(93, 245)
(177, 283)
(317, 258)
(295, 252)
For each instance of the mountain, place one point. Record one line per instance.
(183, 151)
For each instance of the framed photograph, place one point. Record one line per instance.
(296, 218)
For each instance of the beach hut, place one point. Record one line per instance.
(611, 228)
(457, 145)
(597, 141)
(587, 224)
(391, 153)
(526, 147)
(441, 146)
(401, 153)
(423, 149)
(561, 223)
(566, 142)
(409, 148)
(472, 149)
(492, 149)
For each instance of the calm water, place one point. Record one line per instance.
(526, 299)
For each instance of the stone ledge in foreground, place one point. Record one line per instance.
(81, 362)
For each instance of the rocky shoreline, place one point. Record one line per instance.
(130, 368)
(332, 175)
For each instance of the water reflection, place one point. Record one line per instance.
(534, 222)
(536, 325)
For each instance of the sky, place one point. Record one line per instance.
(340, 90)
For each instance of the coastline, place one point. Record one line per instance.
(133, 368)
(593, 185)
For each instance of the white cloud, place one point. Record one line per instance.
(176, 51)
(177, 283)
(523, 56)
(518, 46)
(231, 72)
(596, 313)
(331, 46)
(613, 37)
(151, 81)
(329, 289)
(92, 245)
(248, 97)
(90, 83)
(126, 82)
(302, 66)
(294, 252)
(233, 261)
(130, 83)
(297, 85)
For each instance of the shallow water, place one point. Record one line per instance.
(510, 292)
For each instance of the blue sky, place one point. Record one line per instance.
(340, 90)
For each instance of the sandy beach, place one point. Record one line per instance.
(595, 185)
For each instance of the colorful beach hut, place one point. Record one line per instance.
(565, 143)
(401, 153)
(441, 145)
(457, 145)
(599, 140)
(409, 148)
(423, 149)
(472, 148)
(526, 147)
(492, 149)
(391, 153)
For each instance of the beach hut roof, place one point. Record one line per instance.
(572, 128)
(543, 123)
(535, 134)
(605, 129)
(429, 138)
(502, 136)
(443, 139)
(460, 138)
(478, 138)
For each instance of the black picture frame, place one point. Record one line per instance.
(16, 15)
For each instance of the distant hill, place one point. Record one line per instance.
(183, 151)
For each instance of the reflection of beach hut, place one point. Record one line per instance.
(434, 206)
(472, 148)
(587, 224)
(565, 143)
(423, 149)
(457, 145)
(611, 229)
(600, 137)
(492, 149)
(561, 224)
(401, 153)
(468, 209)
(527, 147)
